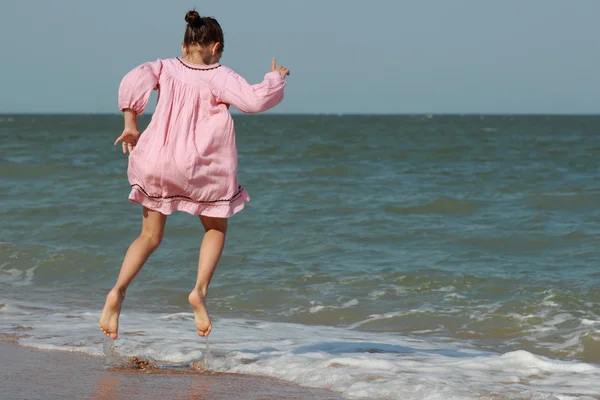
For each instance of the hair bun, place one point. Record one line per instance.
(193, 18)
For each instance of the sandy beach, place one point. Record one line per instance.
(38, 374)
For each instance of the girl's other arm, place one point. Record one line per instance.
(136, 86)
(130, 134)
(134, 93)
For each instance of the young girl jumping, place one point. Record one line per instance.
(186, 159)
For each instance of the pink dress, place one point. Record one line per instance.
(186, 159)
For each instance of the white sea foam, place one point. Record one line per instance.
(17, 277)
(318, 306)
(356, 364)
(377, 317)
(445, 289)
(376, 294)
(454, 296)
(588, 322)
(549, 322)
(316, 309)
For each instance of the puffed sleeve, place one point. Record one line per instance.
(137, 85)
(232, 89)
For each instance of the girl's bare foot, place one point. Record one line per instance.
(203, 325)
(109, 321)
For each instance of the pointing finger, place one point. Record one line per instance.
(273, 64)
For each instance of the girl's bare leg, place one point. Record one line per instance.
(153, 226)
(210, 253)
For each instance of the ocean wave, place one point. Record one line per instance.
(441, 205)
(355, 364)
(579, 201)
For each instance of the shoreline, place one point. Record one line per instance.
(41, 374)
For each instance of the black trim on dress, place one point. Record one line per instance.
(180, 196)
(196, 69)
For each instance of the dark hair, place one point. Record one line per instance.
(202, 30)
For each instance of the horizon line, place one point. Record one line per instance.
(332, 114)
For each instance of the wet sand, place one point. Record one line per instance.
(28, 373)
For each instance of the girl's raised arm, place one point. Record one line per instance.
(232, 89)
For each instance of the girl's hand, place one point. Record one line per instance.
(129, 137)
(282, 70)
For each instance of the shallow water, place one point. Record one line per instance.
(399, 256)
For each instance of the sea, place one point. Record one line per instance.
(381, 257)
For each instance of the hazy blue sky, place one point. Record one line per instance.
(378, 56)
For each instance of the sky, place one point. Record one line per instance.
(345, 56)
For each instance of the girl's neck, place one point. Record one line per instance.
(197, 59)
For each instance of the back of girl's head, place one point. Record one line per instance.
(202, 31)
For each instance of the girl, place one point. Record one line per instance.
(186, 160)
